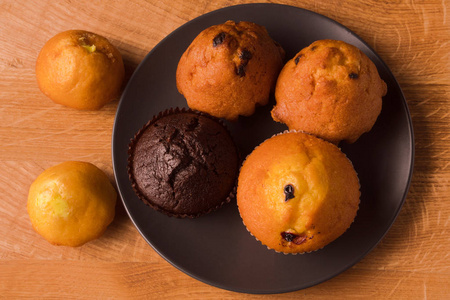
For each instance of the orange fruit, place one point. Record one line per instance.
(71, 203)
(80, 69)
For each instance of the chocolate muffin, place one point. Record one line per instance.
(229, 69)
(183, 163)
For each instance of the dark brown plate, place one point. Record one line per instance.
(216, 248)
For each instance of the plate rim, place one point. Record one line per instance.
(355, 260)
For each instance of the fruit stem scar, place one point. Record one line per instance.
(89, 48)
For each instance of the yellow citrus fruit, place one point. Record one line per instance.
(71, 203)
(80, 69)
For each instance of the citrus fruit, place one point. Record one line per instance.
(80, 69)
(71, 203)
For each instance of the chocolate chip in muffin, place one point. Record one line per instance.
(297, 59)
(353, 75)
(218, 39)
(287, 236)
(240, 70)
(288, 192)
(245, 55)
(294, 238)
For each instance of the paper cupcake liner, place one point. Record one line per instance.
(359, 188)
(134, 185)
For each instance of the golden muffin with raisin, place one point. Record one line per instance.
(330, 89)
(229, 68)
(297, 193)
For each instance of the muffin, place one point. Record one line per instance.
(297, 193)
(183, 163)
(330, 89)
(229, 69)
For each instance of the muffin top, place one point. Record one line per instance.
(297, 193)
(229, 68)
(330, 89)
(183, 163)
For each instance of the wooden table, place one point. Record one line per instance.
(411, 262)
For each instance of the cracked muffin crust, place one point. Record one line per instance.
(297, 193)
(183, 163)
(229, 69)
(330, 89)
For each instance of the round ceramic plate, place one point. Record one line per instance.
(216, 248)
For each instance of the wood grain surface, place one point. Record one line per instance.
(411, 262)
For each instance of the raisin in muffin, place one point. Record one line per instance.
(330, 89)
(183, 163)
(229, 69)
(297, 193)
